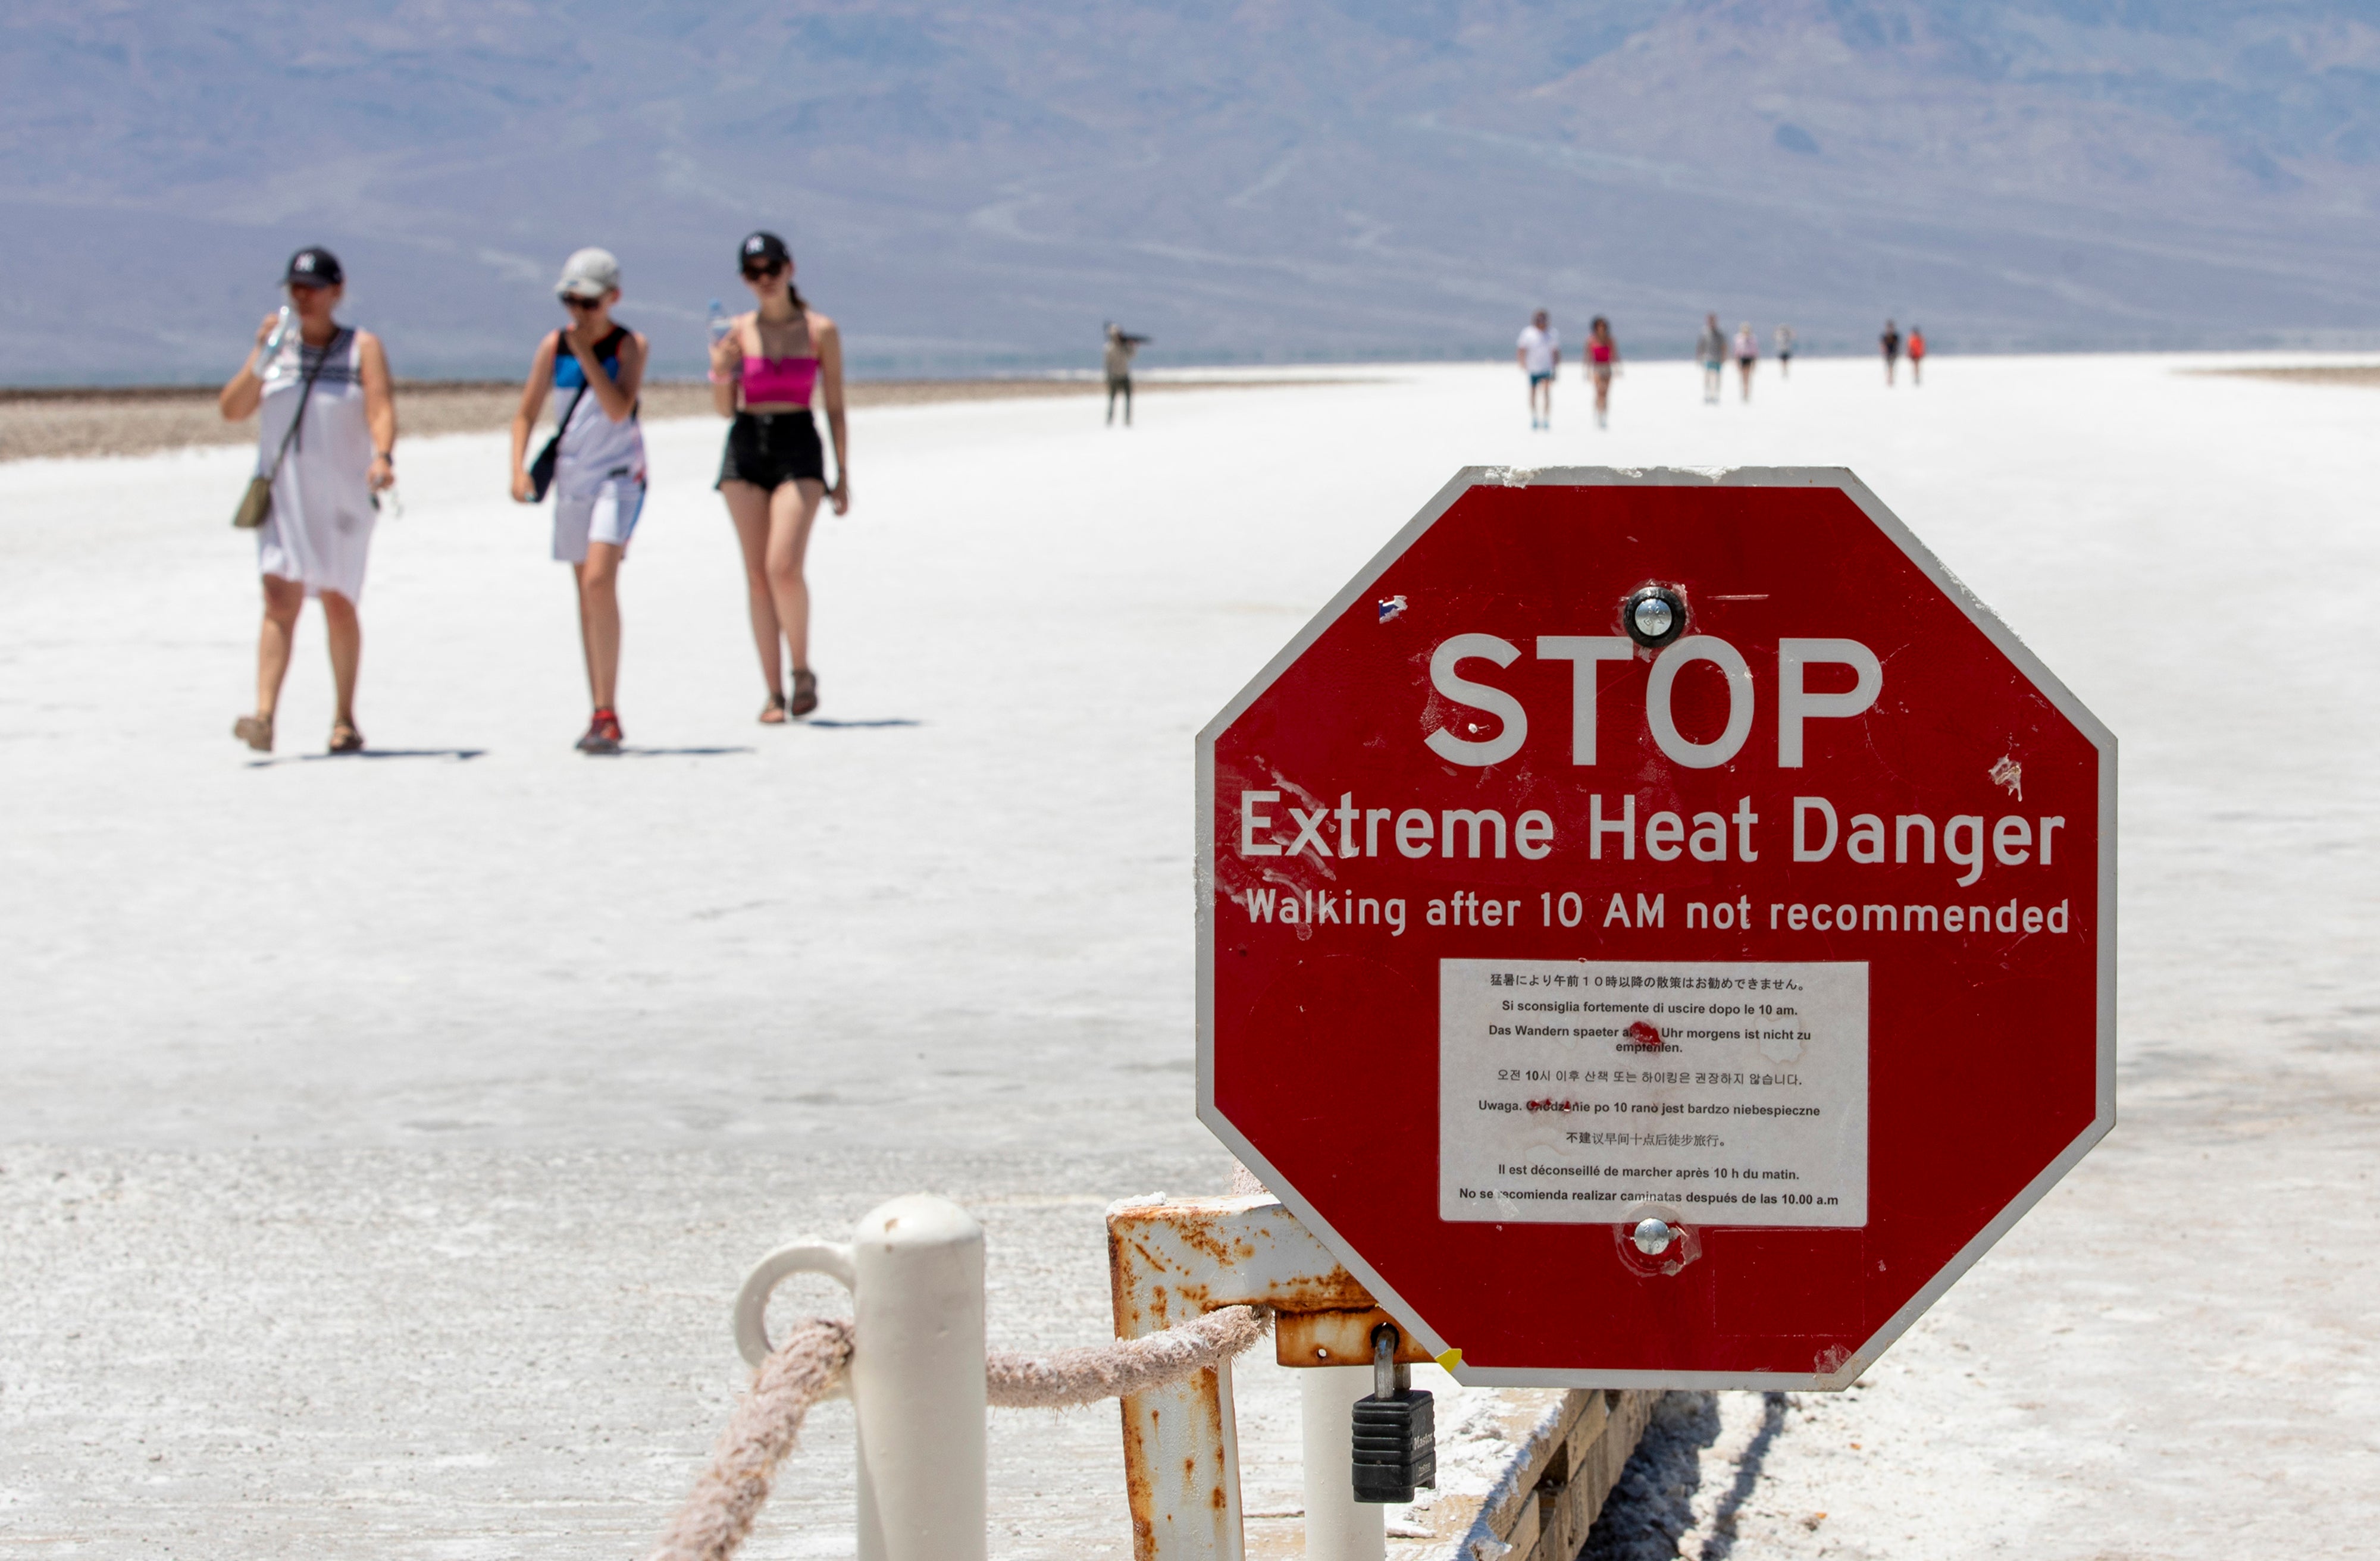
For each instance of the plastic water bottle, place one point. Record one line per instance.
(271, 348)
(720, 324)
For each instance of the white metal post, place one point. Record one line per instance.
(1337, 1527)
(918, 1383)
(914, 1268)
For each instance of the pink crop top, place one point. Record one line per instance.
(783, 380)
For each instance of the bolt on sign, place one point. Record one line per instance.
(1656, 928)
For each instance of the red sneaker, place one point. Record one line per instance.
(602, 734)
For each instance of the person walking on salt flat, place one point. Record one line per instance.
(1602, 359)
(327, 443)
(1538, 352)
(595, 465)
(764, 372)
(1711, 348)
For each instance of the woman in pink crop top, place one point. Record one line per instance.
(764, 373)
(1602, 357)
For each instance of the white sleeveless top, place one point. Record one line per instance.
(318, 532)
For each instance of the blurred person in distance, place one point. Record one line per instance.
(1711, 347)
(1602, 359)
(1916, 355)
(1538, 352)
(1747, 356)
(1117, 357)
(327, 440)
(1891, 344)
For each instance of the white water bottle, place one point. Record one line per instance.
(271, 350)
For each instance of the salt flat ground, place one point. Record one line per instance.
(381, 1139)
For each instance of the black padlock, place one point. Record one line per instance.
(1395, 1429)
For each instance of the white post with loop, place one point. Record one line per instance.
(914, 1270)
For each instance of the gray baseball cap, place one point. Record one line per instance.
(589, 273)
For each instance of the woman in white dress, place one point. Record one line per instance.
(332, 383)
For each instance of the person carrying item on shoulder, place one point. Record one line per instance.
(326, 443)
(1120, 346)
(765, 371)
(596, 467)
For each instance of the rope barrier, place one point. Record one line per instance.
(719, 1514)
(1090, 1373)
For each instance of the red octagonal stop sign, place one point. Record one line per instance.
(1657, 928)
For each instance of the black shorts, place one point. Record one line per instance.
(766, 449)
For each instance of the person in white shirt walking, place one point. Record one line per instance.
(1539, 353)
(1748, 354)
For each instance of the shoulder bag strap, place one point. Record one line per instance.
(561, 346)
(305, 393)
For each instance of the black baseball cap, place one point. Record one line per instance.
(764, 246)
(314, 267)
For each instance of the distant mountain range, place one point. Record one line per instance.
(979, 187)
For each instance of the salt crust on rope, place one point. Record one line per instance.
(719, 1514)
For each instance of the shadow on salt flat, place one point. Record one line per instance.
(1652, 1507)
(454, 754)
(859, 725)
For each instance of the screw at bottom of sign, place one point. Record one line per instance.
(1652, 1237)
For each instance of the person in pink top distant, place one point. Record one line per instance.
(765, 373)
(1602, 357)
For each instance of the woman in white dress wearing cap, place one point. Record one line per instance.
(599, 469)
(332, 383)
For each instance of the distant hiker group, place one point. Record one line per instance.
(1539, 353)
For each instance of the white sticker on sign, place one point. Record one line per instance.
(1569, 1090)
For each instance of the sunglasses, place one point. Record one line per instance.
(762, 272)
(574, 303)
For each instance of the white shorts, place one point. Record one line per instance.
(606, 513)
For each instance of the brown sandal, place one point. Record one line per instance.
(346, 739)
(773, 712)
(805, 693)
(254, 731)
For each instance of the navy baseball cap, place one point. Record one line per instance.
(314, 267)
(765, 247)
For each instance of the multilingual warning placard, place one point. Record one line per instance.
(1735, 1092)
